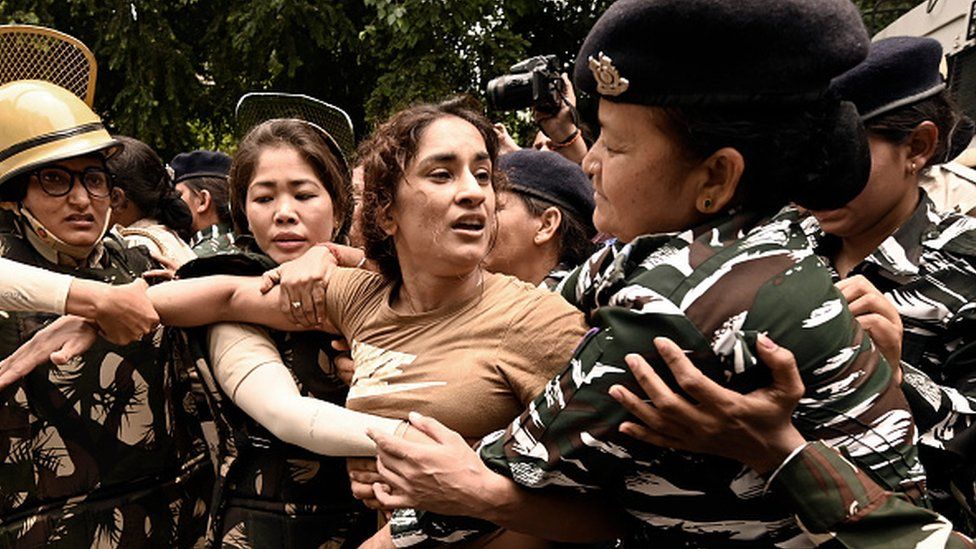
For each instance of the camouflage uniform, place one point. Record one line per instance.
(215, 239)
(927, 269)
(712, 291)
(101, 452)
(837, 502)
(270, 493)
(951, 187)
(556, 276)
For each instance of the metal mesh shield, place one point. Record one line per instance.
(38, 53)
(254, 108)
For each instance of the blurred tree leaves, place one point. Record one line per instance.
(878, 14)
(170, 73)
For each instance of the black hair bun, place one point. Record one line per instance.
(845, 161)
(173, 212)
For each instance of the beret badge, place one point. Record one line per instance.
(608, 79)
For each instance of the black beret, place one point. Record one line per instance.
(897, 72)
(703, 52)
(200, 164)
(550, 177)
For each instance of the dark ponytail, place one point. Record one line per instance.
(142, 175)
(174, 213)
(815, 155)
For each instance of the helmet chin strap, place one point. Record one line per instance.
(66, 253)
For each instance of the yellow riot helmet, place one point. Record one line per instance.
(42, 123)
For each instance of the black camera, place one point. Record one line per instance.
(534, 82)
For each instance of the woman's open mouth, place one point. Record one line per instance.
(472, 225)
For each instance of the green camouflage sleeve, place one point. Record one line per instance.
(836, 502)
(568, 438)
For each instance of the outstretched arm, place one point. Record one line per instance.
(464, 485)
(58, 342)
(249, 369)
(123, 313)
(220, 298)
(27, 288)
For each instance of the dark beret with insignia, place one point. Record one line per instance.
(200, 164)
(733, 52)
(898, 71)
(552, 178)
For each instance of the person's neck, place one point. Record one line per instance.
(126, 216)
(422, 291)
(855, 248)
(205, 221)
(535, 269)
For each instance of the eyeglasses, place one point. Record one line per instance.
(59, 181)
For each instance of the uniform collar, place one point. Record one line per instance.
(900, 254)
(601, 276)
(558, 273)
(212, 232)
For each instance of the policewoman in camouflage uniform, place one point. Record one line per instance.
(100, 451)
(923, 262)
(545, 218)
(271, 493)
(699, 149)
(201, 179)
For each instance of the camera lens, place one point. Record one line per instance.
(511, 92)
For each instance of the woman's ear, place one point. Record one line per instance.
(205, 201)
(720, 176)
(386, 220)
(549, 223)
(118, 201)
(922, 143)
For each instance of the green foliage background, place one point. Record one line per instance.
(170, 72)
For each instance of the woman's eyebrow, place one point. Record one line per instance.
(439, 157)
(262, 184)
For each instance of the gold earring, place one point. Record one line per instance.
(707, 204)
(914, 168)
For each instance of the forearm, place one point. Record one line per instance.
(269, 395)
(833, 498)
(574, 151)
(195, 301)
(249, 368)
(499, 501)
(556, 516)
(27, 288)
(219, 298)
(83, 298)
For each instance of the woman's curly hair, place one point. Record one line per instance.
(385, 157)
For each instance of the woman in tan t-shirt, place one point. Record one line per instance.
(432, 331)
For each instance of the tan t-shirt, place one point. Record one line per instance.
(472, 365)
